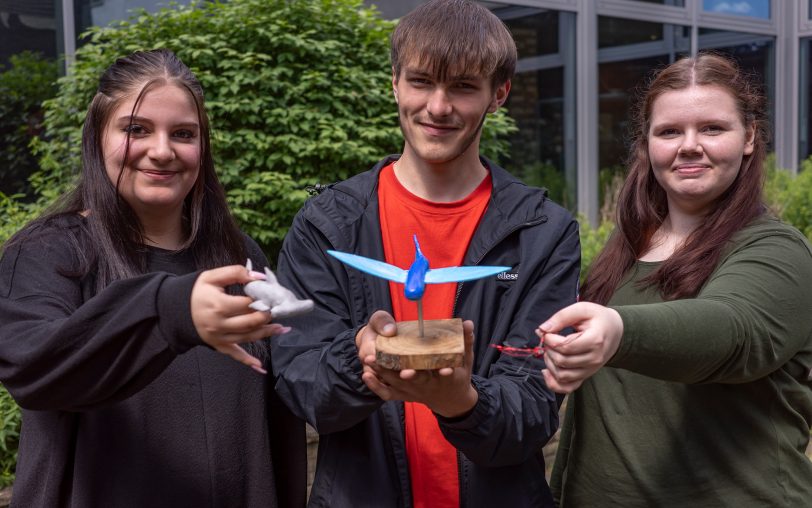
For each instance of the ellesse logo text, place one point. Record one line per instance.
(508, 276)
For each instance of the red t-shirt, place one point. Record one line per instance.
(444, 231)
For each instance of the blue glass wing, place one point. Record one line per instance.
(462, 273)
(371, 266)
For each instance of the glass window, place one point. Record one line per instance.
(751, 8)
(805, 120)
(622, 32)
(103, 12)
(626, 58)
(542, 100)
(676, 3)
(28, 26)
(534, 30)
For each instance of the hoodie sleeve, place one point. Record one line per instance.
(61, 349)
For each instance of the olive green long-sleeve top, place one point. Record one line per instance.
(708, 401)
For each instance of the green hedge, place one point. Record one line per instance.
(790, 196)
(24, 85)
(9, 437)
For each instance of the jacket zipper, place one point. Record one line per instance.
(540, 220)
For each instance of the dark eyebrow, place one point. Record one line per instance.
(140, 119)
(416, 73)
(423, 74)
(463, 77)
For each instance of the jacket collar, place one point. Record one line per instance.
(512, 205)
(509, 194)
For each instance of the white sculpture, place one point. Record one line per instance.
(270, 295)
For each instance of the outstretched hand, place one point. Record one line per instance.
(573, 358)
(224, 321)
(448, 391)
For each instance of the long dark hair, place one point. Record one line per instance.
(117, 247)
(642, 205)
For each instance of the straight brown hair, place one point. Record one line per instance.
(447, 37)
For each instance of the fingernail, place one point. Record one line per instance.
(259, 369)
(545, 327)
(256, 275)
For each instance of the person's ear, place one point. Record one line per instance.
(500, 95)
(749, 139)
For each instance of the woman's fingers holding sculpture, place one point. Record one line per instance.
(573, 358)
(223, 320)
(598, 331)
(562, 374)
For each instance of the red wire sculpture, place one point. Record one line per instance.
(520, 352)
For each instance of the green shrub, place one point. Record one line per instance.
(592, 241)
(540, 174)
(15, 213)
(29, 80)
(790, 196)
(298, 92)
(9, 437)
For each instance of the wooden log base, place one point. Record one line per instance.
(441, 346)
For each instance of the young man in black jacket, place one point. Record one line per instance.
(469, 436)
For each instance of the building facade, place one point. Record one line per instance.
(579, 64)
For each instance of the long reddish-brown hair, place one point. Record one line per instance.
(642, 204)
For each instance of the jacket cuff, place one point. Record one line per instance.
(347, 350)
(478, 416)
(175, 312)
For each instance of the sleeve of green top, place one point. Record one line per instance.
(752, 316)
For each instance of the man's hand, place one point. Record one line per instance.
(380, 323)
(223, 321)
(572, 359)
(448, 392)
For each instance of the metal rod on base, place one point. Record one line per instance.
(420, 317)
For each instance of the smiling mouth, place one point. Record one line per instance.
(159, 173)
(436, 129)
(691, 170)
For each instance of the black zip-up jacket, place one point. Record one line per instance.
(362, 456)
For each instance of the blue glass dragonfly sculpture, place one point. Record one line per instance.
(418, 275)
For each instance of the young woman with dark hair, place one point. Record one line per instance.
(103, 301)
(705, 398)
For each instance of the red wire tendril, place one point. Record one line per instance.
(520, 352)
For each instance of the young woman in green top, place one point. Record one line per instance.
(689, 364)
